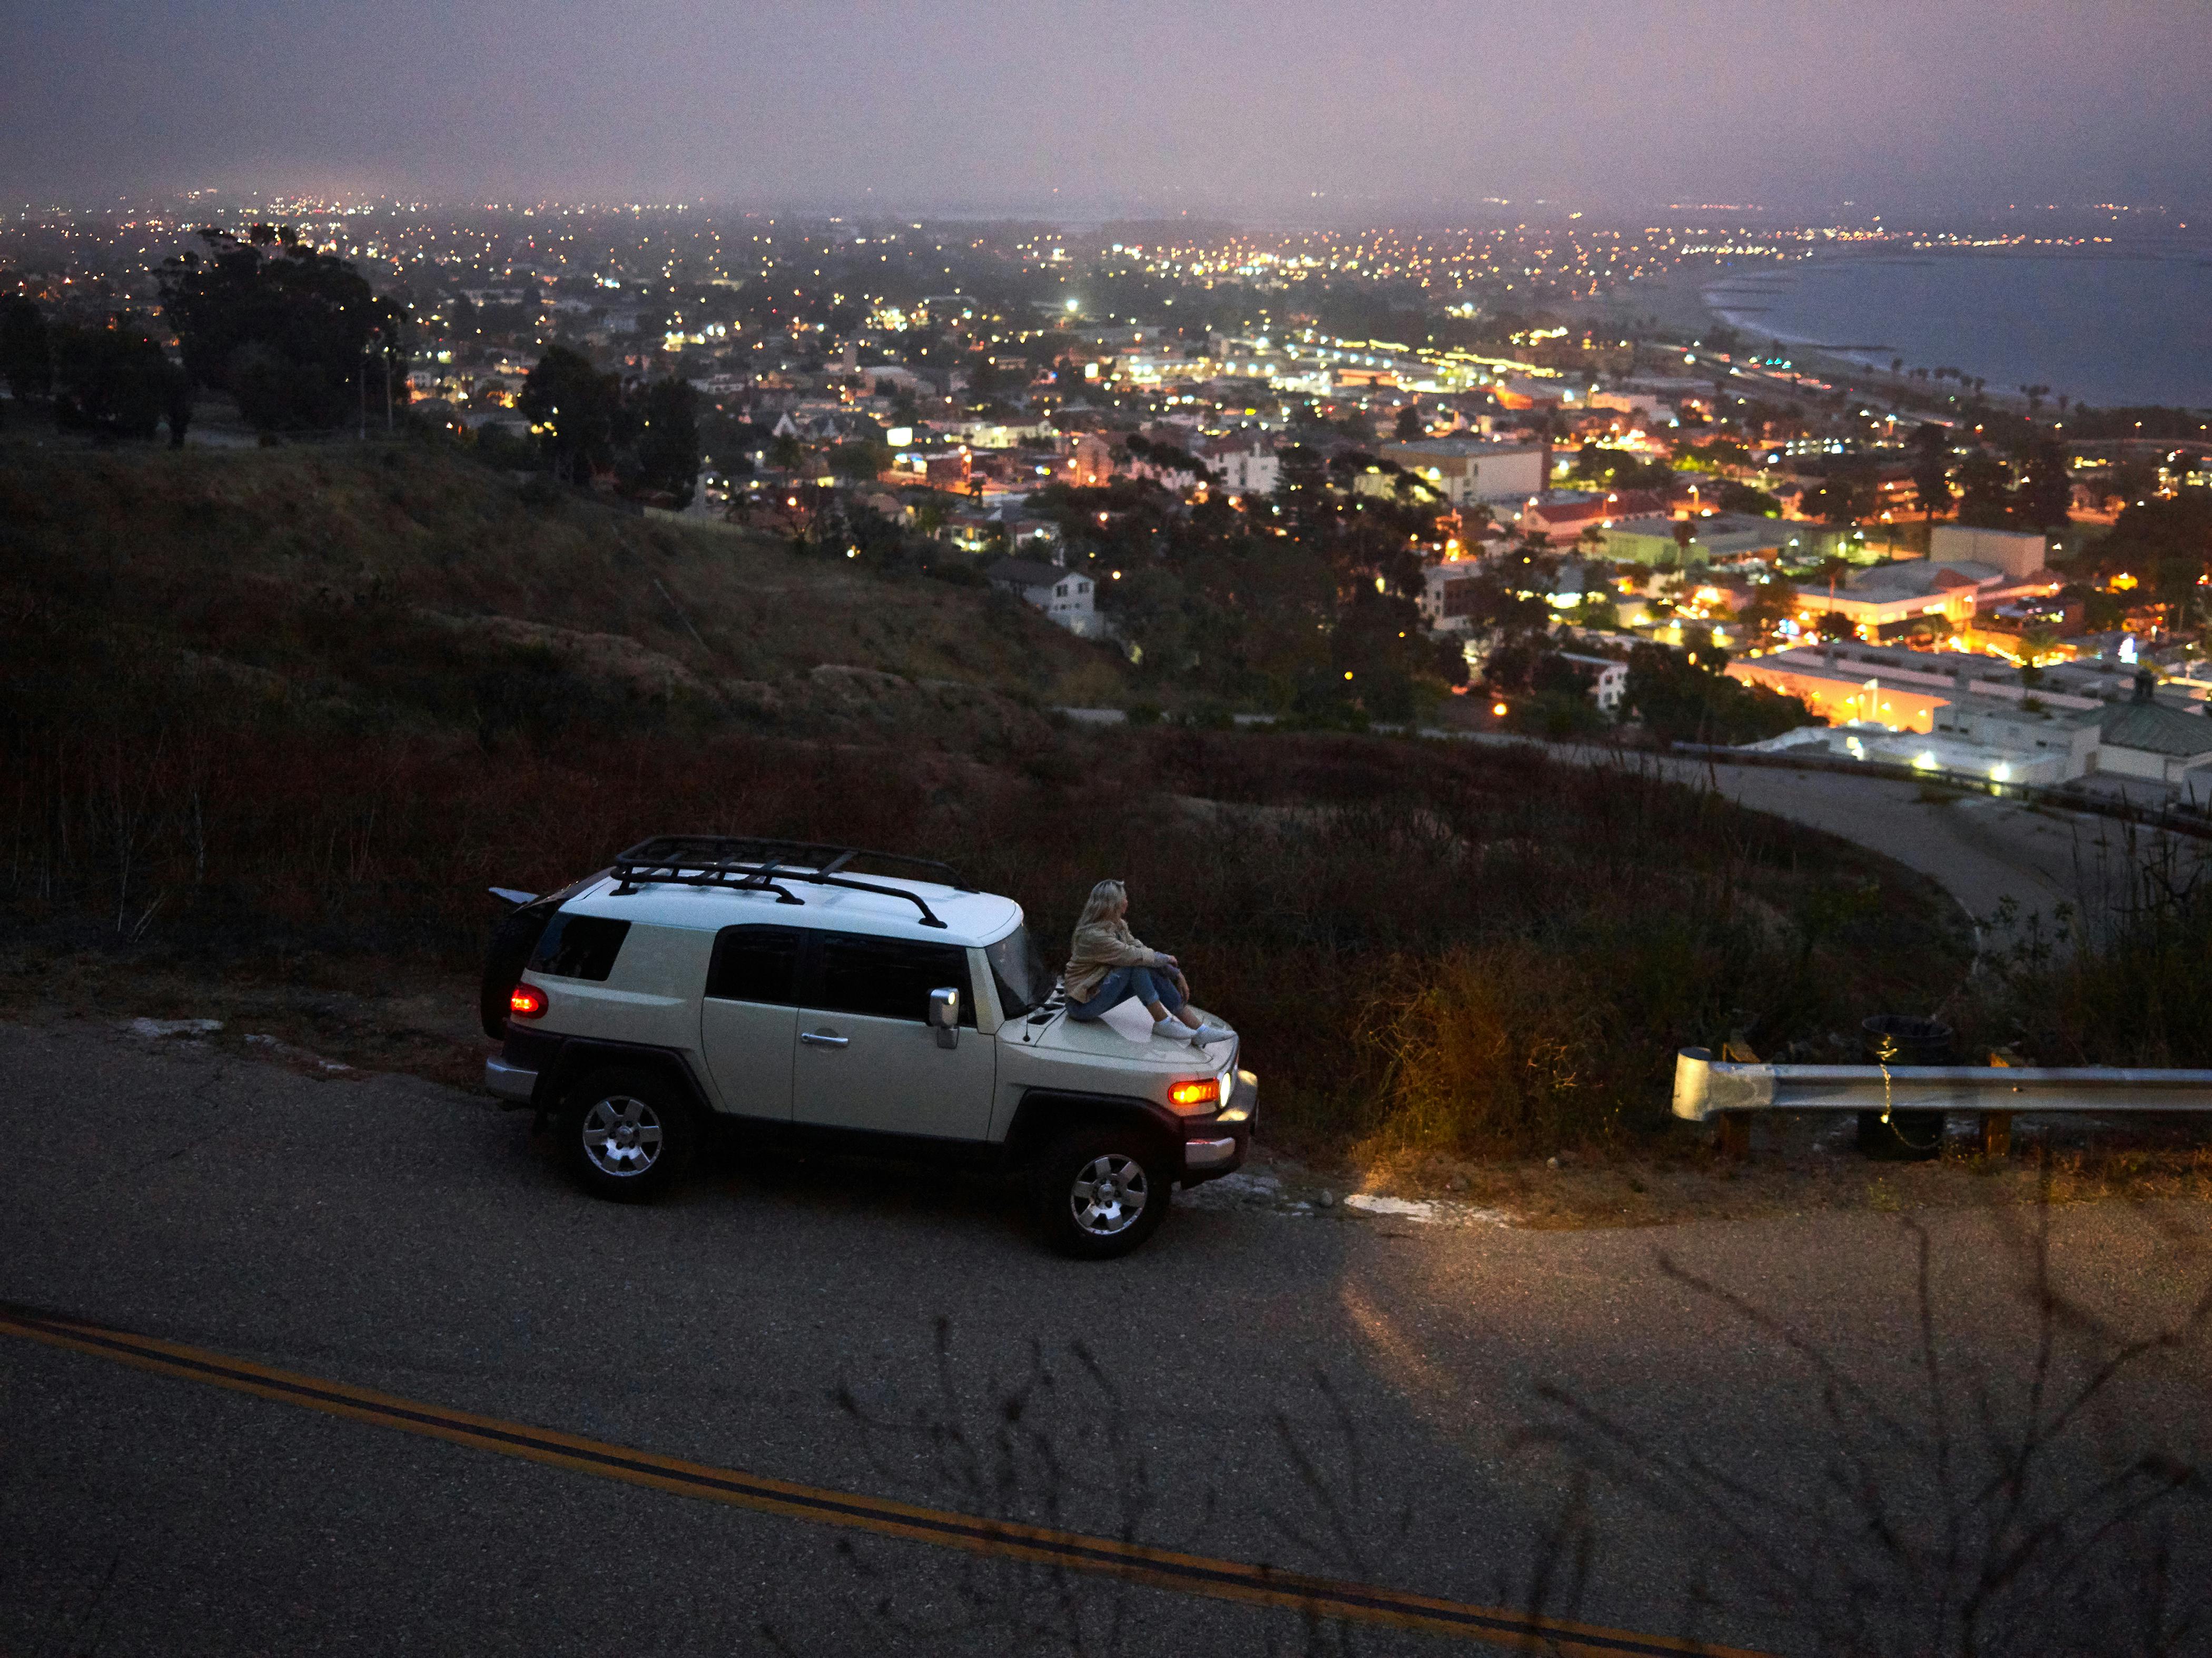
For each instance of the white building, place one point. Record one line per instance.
(1448, 597)
(1245, 463)
(1610, 682)
(1465, 470)
(1065, 596)
(2017, 554)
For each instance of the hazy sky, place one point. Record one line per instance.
(1256, 108)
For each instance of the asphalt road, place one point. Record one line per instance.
(1982, 850)
(1526, 1418)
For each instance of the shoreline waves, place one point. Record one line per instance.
(2117, 330)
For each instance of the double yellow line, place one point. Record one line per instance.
(1224, 1579)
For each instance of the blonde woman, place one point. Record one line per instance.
(1108, 965)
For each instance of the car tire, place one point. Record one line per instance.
(1102, 1192)
(628, 1134)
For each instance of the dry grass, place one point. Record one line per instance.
(1424, 945)
(407, 588)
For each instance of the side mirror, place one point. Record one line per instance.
(944, 1016)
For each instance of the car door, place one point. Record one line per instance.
(748, 1017)
(867, 1058)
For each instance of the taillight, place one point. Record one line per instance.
(526, 1002)
(1195, 1096)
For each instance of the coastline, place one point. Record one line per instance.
(2005, 332)
(1677, 301)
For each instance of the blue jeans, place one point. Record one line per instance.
(1124, 982)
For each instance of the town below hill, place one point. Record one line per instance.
(1436, 478)
(286, 707)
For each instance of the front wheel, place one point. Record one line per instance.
(626, 1134)
(1101, 1193)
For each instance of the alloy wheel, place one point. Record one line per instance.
(1108, 1195)
(622, 1136)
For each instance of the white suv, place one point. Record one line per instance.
(704, 977)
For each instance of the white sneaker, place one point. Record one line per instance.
(1210, 1032)
(1170, 1030)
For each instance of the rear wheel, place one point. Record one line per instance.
(1102, 1192)
(628, 1134)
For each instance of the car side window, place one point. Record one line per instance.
(889, 978)
(755, 964)
(579, 947)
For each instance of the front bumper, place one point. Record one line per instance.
(1219, 1145)
(510, 1083)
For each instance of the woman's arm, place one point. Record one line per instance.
(1114, 947)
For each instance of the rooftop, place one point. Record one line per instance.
(2155, 729)
(1027, 572)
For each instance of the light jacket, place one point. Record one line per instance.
(1099, 949)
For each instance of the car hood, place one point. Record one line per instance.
(1123, 1035)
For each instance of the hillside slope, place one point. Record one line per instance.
(399, 587)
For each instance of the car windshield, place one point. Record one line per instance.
(1024, 980)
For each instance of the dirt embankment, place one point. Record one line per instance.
(400, 588)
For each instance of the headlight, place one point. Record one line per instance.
(1198, 1098)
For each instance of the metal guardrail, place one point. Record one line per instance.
(1706, 1088)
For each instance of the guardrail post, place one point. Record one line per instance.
(1996, 1125)
(1732, 1135)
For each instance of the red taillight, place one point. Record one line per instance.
(1202, 1092)
(526, 1002)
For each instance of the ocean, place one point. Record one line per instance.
(2107, 330)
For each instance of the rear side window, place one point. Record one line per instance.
(755, 964)
(890, 978)
(579, 947)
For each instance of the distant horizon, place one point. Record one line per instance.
(1408, 110)
(2146, 217)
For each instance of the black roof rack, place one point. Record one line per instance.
(746, 863)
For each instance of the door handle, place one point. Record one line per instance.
(824, 1038)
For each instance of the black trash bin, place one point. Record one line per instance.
(1901, 1039)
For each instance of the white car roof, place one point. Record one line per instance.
(969, 918)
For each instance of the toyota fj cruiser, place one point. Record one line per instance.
(704, 977)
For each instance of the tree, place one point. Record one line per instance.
(859, 460)
(1735, 497)
(574, 409)
(1842, 500)
(2035, 646)
(115, 381)
(294, 334)
(1931, 469)
(664, 419)
(1984, 491)
(1774, 603)
(26, 362)
(1409, 426)
(2134, 482)
(1679, 700)
(2046, 492)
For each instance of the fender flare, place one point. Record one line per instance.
(581, 1056)
(1044, 1113)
